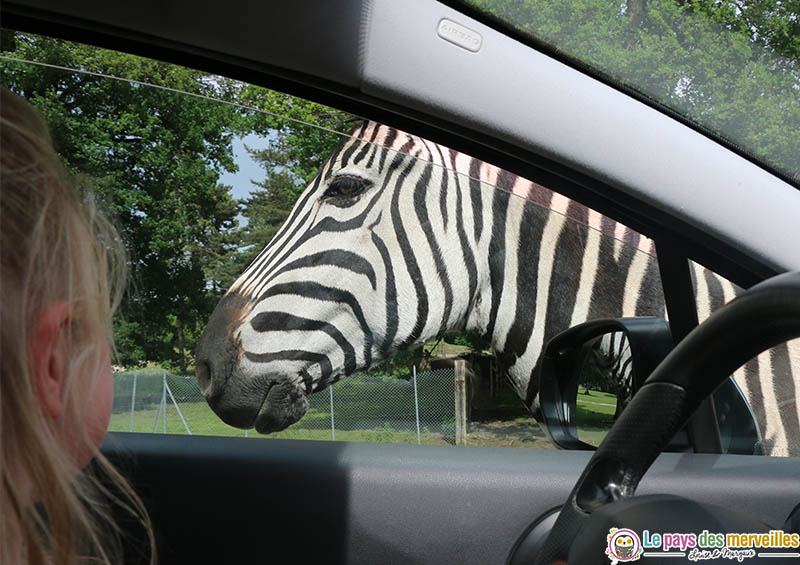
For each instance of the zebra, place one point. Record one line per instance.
(398, 240)
(610, 356)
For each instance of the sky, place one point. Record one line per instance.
(248, 169)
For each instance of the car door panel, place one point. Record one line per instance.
(226, 500)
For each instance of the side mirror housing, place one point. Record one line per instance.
(608, 361)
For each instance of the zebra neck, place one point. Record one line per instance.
(534, 251)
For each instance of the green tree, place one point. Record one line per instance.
(155, 157)
(267, 208)
(474, 342)
(773, 25)
(399, 365)
(731, 66)
(302, 134)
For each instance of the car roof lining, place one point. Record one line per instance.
(383, 60)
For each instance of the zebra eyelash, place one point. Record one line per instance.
(344, 189)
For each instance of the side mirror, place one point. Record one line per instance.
(590, 372)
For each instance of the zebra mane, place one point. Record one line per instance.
(439, 155)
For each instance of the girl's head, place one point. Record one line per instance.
(60, 263)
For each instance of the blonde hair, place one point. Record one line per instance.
(54, 246)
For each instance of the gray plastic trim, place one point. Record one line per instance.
(316, 37)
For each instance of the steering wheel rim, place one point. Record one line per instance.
(766, 315)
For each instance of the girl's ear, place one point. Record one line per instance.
(49, 350)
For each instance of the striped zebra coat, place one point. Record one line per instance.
(399, 240)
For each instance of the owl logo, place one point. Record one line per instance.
(623, 545)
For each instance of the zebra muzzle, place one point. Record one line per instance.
(284, 404)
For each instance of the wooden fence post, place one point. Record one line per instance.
(461, 402)
(133, 401)
(491, 377)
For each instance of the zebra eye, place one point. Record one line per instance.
(346, 187)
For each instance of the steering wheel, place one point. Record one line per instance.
(766, 315)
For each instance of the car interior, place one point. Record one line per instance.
(231, 500)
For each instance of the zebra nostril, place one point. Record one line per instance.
(217, 350)
(203, 374)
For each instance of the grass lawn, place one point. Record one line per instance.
(368, 410)
(595, 415)
(444, 349)
(517, 432)
(314, 425)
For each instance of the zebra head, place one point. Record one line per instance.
(377, 255)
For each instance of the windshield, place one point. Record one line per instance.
(731, 67)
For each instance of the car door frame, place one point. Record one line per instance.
(412, 503)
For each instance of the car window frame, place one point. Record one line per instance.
(669, 233)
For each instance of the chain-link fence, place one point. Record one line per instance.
(420, 409)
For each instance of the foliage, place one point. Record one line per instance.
(731, 66)
(268, 206)
(382, 434)
(474, 342)
(596, 377)
(301, 136)
(149, 388)
(773, 25)
(399, 365)
(154, 157)
(302, 133)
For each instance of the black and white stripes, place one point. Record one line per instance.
(398, 240)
